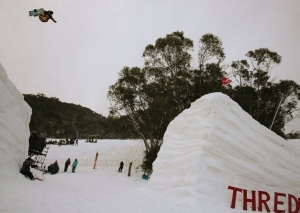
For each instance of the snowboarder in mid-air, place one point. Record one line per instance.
(44, 15)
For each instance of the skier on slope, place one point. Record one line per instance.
(44, 16)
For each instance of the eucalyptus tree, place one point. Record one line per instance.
(242, 74)
(272, 104)
(127, 95)
(169, 62)
(280, 104)
(168, 65)
(208, 75)
(288, 99)
(210, 47)
(146, 105)
(154, 95)
(255, 73)
(262, 61)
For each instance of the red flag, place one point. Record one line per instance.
(225, 81)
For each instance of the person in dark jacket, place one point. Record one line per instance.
(53, 168)
(67, 163)
(75, 163)
(25, 170)
(121, 166)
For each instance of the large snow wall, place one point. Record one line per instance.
(217, 154)
(15, 116)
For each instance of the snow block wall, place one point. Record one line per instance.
(214, 146)
(15, 116)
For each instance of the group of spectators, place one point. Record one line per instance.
(67, 141)
(52, 169)
(91, 139)
(74, 165)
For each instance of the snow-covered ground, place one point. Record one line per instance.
(215, 158)
(103, 189)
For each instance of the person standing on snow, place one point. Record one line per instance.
(121, 166)
(67, 163)
(74, 165)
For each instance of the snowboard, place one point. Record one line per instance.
(39, 179)
(36, 12)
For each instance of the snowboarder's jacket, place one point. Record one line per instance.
(53, 168)
(55, 165)
(46, 16)
(75, 163)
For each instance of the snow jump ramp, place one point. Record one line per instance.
(218, 155)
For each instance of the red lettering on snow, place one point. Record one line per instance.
(262, 201)
(297, 202)
(234, 192)
(249, 200)
(263, 198)
(277, 202)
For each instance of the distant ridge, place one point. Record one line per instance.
(52, 118)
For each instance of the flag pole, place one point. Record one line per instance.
(129, 171)
(276, 112)
(221, 85)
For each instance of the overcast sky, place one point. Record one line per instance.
(79, 57)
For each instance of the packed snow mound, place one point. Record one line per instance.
(215, 144)
(15, 116)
